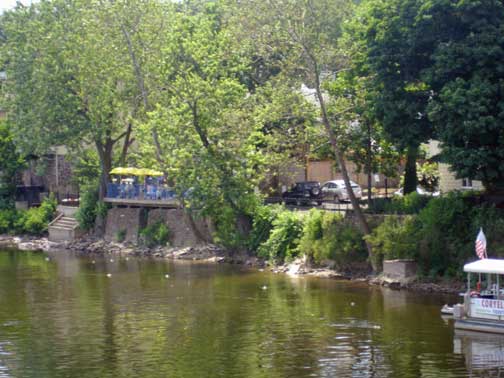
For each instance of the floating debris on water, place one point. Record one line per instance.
(166, 276)
(109, 275)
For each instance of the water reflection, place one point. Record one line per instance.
(64, 318)
(483, 353)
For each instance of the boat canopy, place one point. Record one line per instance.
(492, 266)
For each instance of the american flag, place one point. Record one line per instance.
(481, 245)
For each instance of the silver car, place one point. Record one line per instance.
(335, 190)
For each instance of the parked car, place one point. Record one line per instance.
(419, 190)
(303, 193)
(336, 191)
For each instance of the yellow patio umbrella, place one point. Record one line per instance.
(130, 171)
(123, 171)
(148, 172)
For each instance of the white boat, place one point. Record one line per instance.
(447, 310)
(483, 308)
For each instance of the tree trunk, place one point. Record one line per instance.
(410, 172)
(126, 144)
(105, 155)
(141, 86)
(364, 226)
(369, 161)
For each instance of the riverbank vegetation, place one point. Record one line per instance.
(211, 94)
(33, 221)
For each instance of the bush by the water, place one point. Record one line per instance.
(155, 234)
(441, 236)
(327, 236)
(262, 224)
(283, 240)
(86, 215)
(33, 221)
(90, 207)
(395, 238)
(411, 203)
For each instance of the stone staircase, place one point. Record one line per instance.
(64, 228)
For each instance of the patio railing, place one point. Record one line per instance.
(140, 192)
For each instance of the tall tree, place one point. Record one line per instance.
(67, 81)
(467, 79)
(206, 141)
(307, 33)
(385, 46)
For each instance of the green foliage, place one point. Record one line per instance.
(446, 238)
(121, 235)
(441, 236)
(155, 234)
(33, 221)
(327, 236)
(466, 76)
(9, 221)
(86, 215)
(283, 240)
(36, 219)
(395, 238)
(262, 224)
(409, 204)
(10, 163)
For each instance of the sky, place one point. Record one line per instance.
(8, 4)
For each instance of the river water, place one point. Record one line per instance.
(67, 316)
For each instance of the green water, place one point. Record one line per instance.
(61, 316)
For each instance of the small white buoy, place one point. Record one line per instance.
(109, 275)
(47, 259)
(93, 262)
(265, 287)
(111, 260)
(261, 270)
(127, 258)
(166, 276)
(352, 304)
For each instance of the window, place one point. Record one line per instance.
(467, 183)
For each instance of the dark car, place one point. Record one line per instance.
(303, 193)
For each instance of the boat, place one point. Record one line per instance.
(447, 310)
(483, 307)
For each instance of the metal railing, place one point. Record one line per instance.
(140, 192)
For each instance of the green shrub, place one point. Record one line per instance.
(262, 224)
(283, 241)
(8, 220)
(86, 215)
(395, 238)
(411, 203)
(155, 234)
(35, 220)
(121, 235)
(445, 236)
(327, 236)
(47, 208)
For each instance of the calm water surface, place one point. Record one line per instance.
(63, 317)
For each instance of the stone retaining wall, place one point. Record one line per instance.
(399, 269)
(133, 220)
(129, 220)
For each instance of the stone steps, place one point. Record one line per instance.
(64, 228)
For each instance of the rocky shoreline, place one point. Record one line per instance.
(215, 254)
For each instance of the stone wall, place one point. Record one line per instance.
(133, 220)
(129, 220)
(182, 233)
(399, 269)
